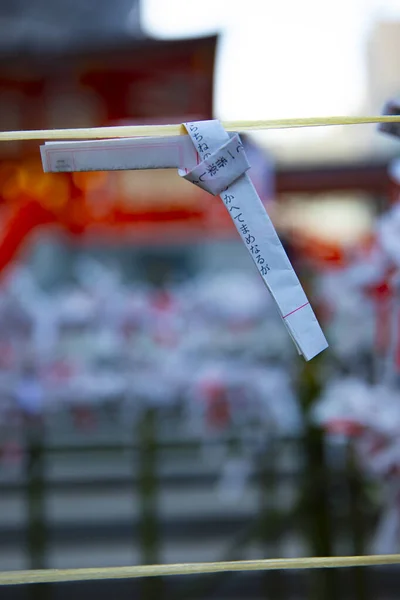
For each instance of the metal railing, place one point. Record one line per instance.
(331, 510)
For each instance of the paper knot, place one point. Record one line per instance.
(221, 168)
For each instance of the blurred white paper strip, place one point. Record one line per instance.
(214, 160)
(262, 242)
(119, 154)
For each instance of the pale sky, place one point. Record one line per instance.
(288, 58)
(282, 58)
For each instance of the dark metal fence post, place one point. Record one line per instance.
(357, 522)
(149, 534)
(315, 489)
(35, 500)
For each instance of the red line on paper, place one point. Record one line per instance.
(295, 310)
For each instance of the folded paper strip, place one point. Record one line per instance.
(214, 160)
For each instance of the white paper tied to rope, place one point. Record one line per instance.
(257, 232)
(214, 160)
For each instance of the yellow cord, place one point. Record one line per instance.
(60, 575)
(165, 130)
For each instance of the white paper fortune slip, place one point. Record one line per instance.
(214, 160)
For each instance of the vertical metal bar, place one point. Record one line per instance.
(357, 523)
(35, 503)
(149, 533)
(315, 489)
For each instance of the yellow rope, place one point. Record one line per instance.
(59, 575)
(165, 130)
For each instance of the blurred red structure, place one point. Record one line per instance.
(146, 81)
(149, 81)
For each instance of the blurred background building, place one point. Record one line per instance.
(152, 407)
